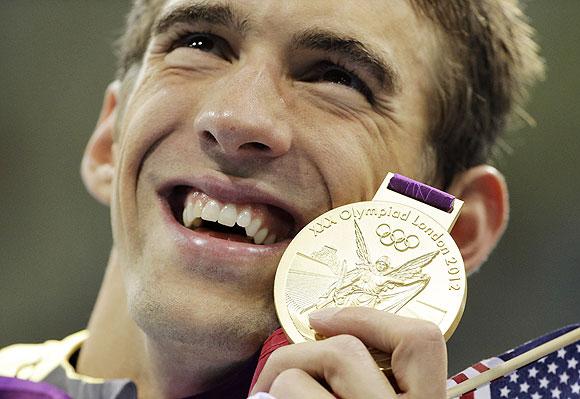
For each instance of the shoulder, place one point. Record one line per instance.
(35, 361)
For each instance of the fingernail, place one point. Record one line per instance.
(324, 314)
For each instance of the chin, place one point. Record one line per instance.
(231, 327)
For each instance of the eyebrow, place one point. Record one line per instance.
(213, 14)
(355, 51)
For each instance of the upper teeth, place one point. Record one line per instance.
(228, 215)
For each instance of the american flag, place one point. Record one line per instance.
(555, 375)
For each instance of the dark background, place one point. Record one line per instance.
(56, 61)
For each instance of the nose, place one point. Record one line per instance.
(243, 116)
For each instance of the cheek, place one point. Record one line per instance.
(158, 112)
(350, 150)
(162, 111)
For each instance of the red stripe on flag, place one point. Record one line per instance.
(459, 378)
(480, 367)
(468, 395)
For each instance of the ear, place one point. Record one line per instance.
(484, 216)
(97, 166)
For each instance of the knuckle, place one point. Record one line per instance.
(425, 334)
(286, 379)
(276, 358)
(341, 344)
(430, 332)
(291, 374)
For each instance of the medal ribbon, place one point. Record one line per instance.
(421, 192)
(276, 340)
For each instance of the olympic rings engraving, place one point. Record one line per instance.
(396, 238)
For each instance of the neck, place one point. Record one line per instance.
(118, 348)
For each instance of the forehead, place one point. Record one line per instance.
(374, 13)
(388, 24)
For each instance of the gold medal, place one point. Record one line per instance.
(393, 253)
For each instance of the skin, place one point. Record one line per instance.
(178, 318)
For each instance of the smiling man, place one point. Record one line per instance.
(233, 124)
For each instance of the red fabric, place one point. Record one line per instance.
(480, 367)
(459, 378)
(276, 340)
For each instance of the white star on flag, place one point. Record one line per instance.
(544, 382)
(562, 353)
(524, 387)
(514, 377)
(564, 378)
(504, 392)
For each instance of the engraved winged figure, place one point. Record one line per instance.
(379, 285)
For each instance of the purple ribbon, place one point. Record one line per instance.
(14, 388)
(421, 192)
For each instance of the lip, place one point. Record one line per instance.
(235, 190)
(217, 248)
(194, 245)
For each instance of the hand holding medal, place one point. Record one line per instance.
(393, 254)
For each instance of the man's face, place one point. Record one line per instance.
(281, 109)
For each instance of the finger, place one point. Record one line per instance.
(343, 362)
(417, 347)
(297, 384)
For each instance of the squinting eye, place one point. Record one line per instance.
(206, 42)
(332, 73)
(200, 42)
(337, 76)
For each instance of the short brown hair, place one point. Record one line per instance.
(489, 60)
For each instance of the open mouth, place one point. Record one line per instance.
(252, 223)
